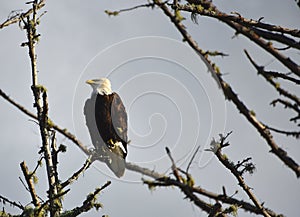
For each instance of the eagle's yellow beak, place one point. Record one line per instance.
(89, 82)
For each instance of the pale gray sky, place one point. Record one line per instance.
(170, 98)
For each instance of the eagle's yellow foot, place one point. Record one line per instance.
(111, 143)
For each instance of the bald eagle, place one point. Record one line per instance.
(106, 119)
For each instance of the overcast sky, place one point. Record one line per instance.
(170, 98)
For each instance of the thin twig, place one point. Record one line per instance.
(57, 196)
(286, 104)
(75, 176)
(115, 13)
(284, 76)
(295, 134)
(192, 159)
(277, 37)
(37, 165)
(174, 167)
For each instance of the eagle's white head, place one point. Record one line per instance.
(101, 86)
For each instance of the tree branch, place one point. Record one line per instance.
(30, 25)
(20, 17)
(61, 130)
(13, 203)
(89, 203)
(295, 134)
(164, 182)
(75, 176)
(138, 169)
(283, 76)
(230, 94)
(261, 71)
(232, 21)
(286, 104)
(28, 178)
(230, 166)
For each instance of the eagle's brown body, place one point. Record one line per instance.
(111, 120)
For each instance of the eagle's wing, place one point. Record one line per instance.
(119, 118)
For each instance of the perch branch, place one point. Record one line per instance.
(136, 168)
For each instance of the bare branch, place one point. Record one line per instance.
(13, 203)
(28, 178)
(277, 37)
(19, 17)
(284, 76)
(232, 21)
(237, 18)
(61, 130)
(215, 209)
(230, 200)
(144, 171)
(231, 95)
(261, 71)
(295, 134)
(163, 182)
(75, 176)
(286, 104)
(54, 153)
(115, 13)
(229, 165)
(174, 167)
(89, 203)
(30, 25)
(20, 107)
(192, 159)
(261, 128)
(50, 200)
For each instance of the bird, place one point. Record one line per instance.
(106, 120)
